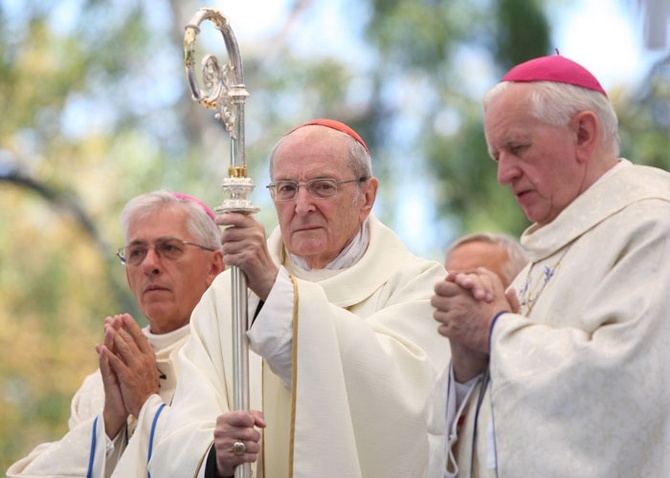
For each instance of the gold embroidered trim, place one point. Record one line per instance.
(294, 373)
(529, 294)
(202, 459)
(263, 408)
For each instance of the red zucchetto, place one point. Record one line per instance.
(329, 123)
(554, 68)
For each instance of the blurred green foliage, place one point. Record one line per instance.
(94, 110)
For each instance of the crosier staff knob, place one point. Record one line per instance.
(225, 93)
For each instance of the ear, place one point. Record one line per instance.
(216, 266)
(586, 127)
(367, 197)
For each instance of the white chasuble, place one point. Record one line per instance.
(364, 356)
(579, 380)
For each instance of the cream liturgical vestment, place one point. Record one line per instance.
(85, 451)
(579, 381)
(362, 360)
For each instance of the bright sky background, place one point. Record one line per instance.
(604, 35)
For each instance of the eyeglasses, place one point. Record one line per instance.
(319, 188)
(170, 249)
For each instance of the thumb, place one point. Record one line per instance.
(513, 300)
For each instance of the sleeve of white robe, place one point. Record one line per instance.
(150, 423)
(271, 334)
(83, 451)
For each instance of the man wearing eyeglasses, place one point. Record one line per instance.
(344, 354)
(172, 255)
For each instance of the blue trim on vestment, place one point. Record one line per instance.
(91, 458)
(151, 437)
(493, 323)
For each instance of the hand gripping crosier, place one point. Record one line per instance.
(225, 93)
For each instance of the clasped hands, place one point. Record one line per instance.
(128, 368)
(465, 305)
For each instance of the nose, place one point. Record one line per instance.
(304, 203)
(508, 170)
(152, 262)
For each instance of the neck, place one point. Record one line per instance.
(595, 169)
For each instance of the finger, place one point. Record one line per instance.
(251, 448)
(236, 419)
(443, 330)
(446, 289)
(231, 219)
(115, 321)
(125, 347)
(103, 359)
(110, 332)
(479, 285)
(114, 362)
(259, 418)
(136, 333)
(441, 316)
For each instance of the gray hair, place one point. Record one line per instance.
(517, 257)
(199, 223)
(360, 161)
(556, 103)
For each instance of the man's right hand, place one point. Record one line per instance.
(244, 245)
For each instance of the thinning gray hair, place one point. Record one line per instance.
(360, 161)
(557, 103)
(517, 257)
(199, 223)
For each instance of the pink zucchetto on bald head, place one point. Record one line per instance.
(554, 68)
(204, 207)
(329, 123)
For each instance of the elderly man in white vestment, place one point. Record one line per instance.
(172, 255)
(344, 352)
(578, 360)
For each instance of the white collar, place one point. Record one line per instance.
(348, 256)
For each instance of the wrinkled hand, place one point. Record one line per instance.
(466, 363)
(465, 305)
(233, 427)
(114, 412)
(244, 246)
(132, 360)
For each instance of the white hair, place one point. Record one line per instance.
(199, 223)
(557, 103)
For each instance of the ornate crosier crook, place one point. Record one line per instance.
(226, 94)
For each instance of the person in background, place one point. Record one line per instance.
(344, 353)
(575, 383)
(496, 252)
(503, 256)
(172, 255)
